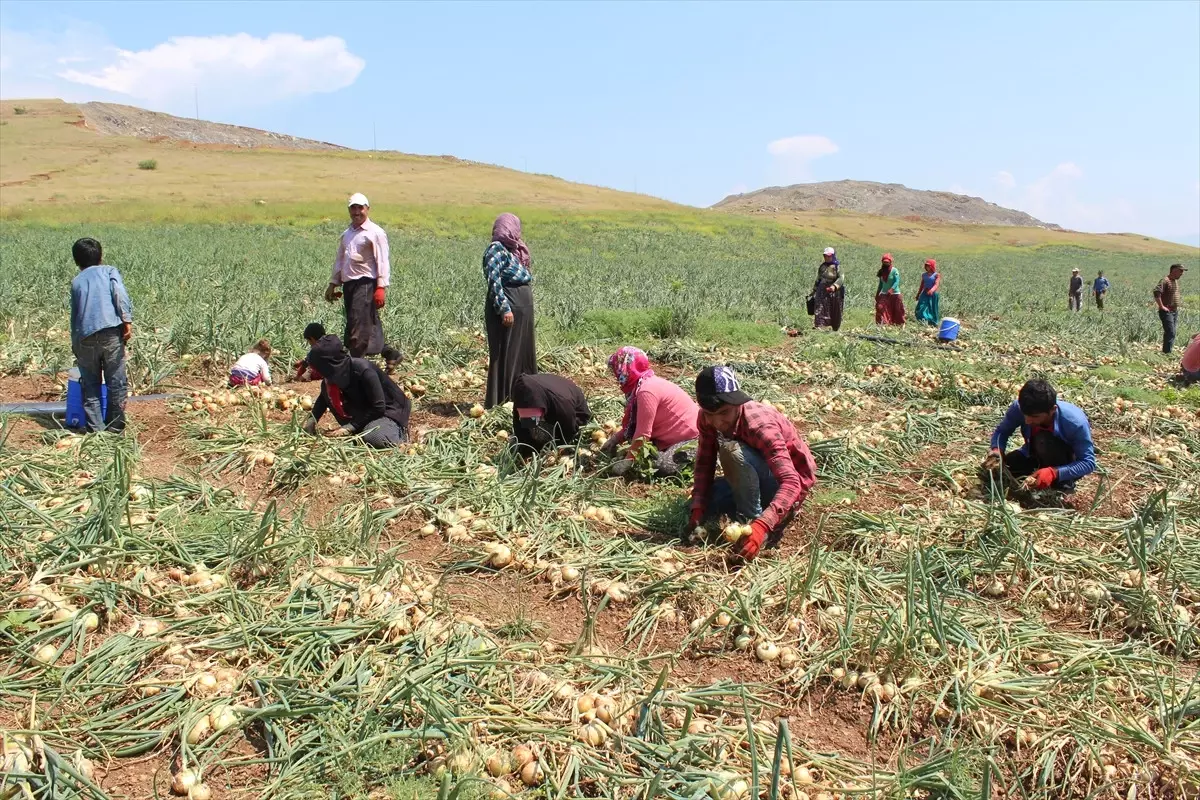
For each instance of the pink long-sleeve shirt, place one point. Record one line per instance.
(666, 415)
(362, 253)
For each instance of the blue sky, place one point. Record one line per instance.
(1084, 114)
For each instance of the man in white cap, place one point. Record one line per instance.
(1075, 291)
(362, 272)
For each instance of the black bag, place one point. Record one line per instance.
(810, 305)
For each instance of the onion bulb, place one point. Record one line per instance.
(90, 621)
(200, 792)
(531, 774)
(569, 574)
(222, 717)
(183, 781)
(766, 652)
(523, 754)
(593, 733)
(499, 764)
(476, 411)
(46, 654)
(200, 731)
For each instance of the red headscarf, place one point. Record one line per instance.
(630, 366)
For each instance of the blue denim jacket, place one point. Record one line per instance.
(1070, 425)
(98, 301)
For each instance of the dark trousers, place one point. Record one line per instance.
(1100, 301)
(1046, 450)
(101, 359)
(364, 329)
(1168, 318)
(1074, 301)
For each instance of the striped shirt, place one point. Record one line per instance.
(1167, 293)
(500, 269)
(772, 434)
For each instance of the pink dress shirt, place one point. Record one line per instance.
(362, 253)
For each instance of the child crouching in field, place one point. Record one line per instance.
(252, 369)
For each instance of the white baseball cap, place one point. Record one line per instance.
(358, 199)
(829, 251)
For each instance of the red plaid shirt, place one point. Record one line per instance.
(772, 434)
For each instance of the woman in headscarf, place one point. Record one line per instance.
(928, 310)
(548, 410)
(508, 312)
(889, 305)
(364, 400)
(829, 294)
(656, 411)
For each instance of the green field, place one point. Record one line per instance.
(402, 625)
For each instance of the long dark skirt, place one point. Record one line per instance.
(511, 351)
(364, 330)
(829, 307)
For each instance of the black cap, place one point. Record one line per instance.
(718, 386)
(1180, 267)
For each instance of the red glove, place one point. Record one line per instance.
(1044, 477)
(748, 548)
(379, 296)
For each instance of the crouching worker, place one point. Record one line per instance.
(764, 460)
(548, 411)
(656, 411)
(1058, 447)
(362, 397)
(313, 332)
(252, 369)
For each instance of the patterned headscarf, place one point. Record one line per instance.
(630, 366)
(507, 231)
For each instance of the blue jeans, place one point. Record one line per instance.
(101, 359)
(748, 484)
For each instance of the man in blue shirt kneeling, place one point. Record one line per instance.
(1058, 448)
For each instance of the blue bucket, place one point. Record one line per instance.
(75, 417)
(948, 331)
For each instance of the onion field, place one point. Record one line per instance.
(218, 605)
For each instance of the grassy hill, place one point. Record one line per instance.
(53, 166)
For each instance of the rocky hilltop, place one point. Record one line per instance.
(881, 199)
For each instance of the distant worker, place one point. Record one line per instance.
(829, 292)
(252, 369)
(101, 325)
(508, 309)
(1058, 448)
(364, 400)
(1100, 289)
(548, 411)
(928, 293)
(362, 274)
(889, 303)
(1166, 297)
(1075, 291)
(764, 460)
(656, 411)
(1189, 367)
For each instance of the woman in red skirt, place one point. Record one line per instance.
(889, 305)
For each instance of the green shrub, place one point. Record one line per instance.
(149, 163)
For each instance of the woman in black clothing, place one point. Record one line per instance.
(547, 410)
(361, 396)
(508, 309)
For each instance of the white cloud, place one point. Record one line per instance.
(228, 71)
(794, 154)
(1005, 179)
(241, 66)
